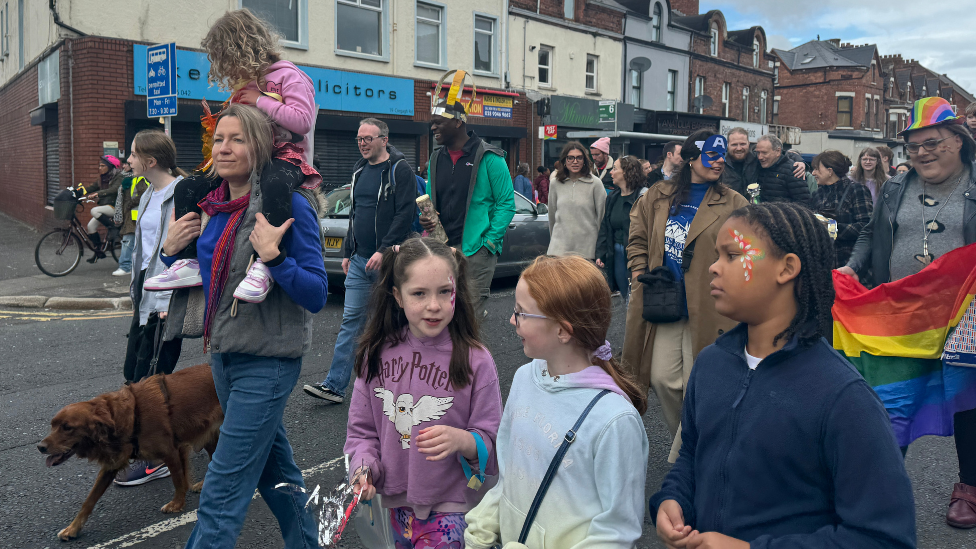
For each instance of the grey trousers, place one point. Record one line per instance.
(481, 267)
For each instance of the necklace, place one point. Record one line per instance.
(927, 226)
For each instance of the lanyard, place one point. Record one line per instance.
(476, 480)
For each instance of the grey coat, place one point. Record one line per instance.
(576, 208)
(276, 327)
(151, 302)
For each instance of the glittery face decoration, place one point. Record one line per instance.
(453, 291)
(749, 253)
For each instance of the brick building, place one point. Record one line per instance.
(731, 67)
(835, 93)
(907, 81)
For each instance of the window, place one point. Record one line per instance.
(745, 104)
(636, 83)
(672, 89)
(775, 111)
(713, 43)
(877, 114)
(430, 37)
(591, 67)
(484, 44)
(20, 31)
(569, 9)
(755, 53)
(656, 17)
(699, 91)
(288, 18)
(762, 107)
(867, 112)
(545, 66)
(845, 107)
(361, 27)
(726, 92)
(776, 75)
(48, 81)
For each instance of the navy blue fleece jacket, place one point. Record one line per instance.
(798, 453)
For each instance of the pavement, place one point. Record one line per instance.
(22, 284)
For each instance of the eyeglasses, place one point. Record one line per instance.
(368, 139)
(575, 158)
(526, 315)
(929, 144)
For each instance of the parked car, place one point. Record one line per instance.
(527, 236)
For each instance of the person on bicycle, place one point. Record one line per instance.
(106, 189)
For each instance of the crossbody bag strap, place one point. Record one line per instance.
(843, 197)
(554, 466)
(687, 255)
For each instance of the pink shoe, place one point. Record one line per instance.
(256, 285)
(185, 273)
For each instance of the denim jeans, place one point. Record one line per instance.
(253, 452)
(621, 274)
(125, 256)
(359, 284)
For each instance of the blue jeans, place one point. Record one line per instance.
(620, 273)
(359, 284)
(253, 452)
(125, 256)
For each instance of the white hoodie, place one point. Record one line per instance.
(596, 499)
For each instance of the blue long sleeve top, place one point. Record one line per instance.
(300, 272)
(798, 453)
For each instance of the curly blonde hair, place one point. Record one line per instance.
(240, 46)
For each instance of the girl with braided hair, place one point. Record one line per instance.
(783, 442)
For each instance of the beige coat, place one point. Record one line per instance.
(576, 208)
(645, 250)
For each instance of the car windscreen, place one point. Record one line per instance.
(339, 201)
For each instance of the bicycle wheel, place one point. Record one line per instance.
(58, 252)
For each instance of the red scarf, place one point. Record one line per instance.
(218, 201)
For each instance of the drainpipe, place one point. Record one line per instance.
(52, 5)
(71, 107)
(538, 6)
(506, 81)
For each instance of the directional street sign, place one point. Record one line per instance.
(161, 87)
(608, 111)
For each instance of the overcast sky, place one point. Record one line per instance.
(941, 35)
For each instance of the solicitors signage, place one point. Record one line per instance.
(334, 90)
(675, 123)
(486, 105)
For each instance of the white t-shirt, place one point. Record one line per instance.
(149, 223)
(752, 361)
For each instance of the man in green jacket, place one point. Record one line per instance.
(471, 189)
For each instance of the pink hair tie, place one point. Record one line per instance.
(604, 352)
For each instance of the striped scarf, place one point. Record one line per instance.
(218, 201)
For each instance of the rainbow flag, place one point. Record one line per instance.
(895, 335)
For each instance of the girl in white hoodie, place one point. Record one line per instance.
(596, 498)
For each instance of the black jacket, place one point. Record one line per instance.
(739, 175)
(873, 248)
(396, 204)
(796, 453)
(778, 184)
(604, 242)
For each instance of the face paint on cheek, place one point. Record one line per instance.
(453, 291)
(749, 253)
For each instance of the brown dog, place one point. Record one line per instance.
(162, 417)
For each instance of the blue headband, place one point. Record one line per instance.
(714, 144)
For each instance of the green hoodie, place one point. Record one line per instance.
(491, 199)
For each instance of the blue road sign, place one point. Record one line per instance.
(161, 87)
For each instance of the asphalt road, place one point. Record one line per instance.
(49, 360)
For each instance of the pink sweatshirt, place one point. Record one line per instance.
(296, 111)
(412, 393)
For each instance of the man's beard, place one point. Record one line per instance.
(740, 158)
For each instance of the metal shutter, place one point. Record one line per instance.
(189, 144)
(406, 144)
(52, 162)
(335, 153)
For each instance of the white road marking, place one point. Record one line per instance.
(153, 530)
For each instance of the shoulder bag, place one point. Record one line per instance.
(663, 292)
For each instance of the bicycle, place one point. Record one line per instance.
(59, 252)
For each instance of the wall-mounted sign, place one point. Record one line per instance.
(547, 132)
(487, 105)
(334, 90)
(755, 130)
(675, 123)
(578, 112)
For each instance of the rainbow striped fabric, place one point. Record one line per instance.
(895, 335)
(930, 111)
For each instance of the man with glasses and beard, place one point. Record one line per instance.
(920, 215)
(384, 202)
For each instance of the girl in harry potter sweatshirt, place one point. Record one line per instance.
(426, 403)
